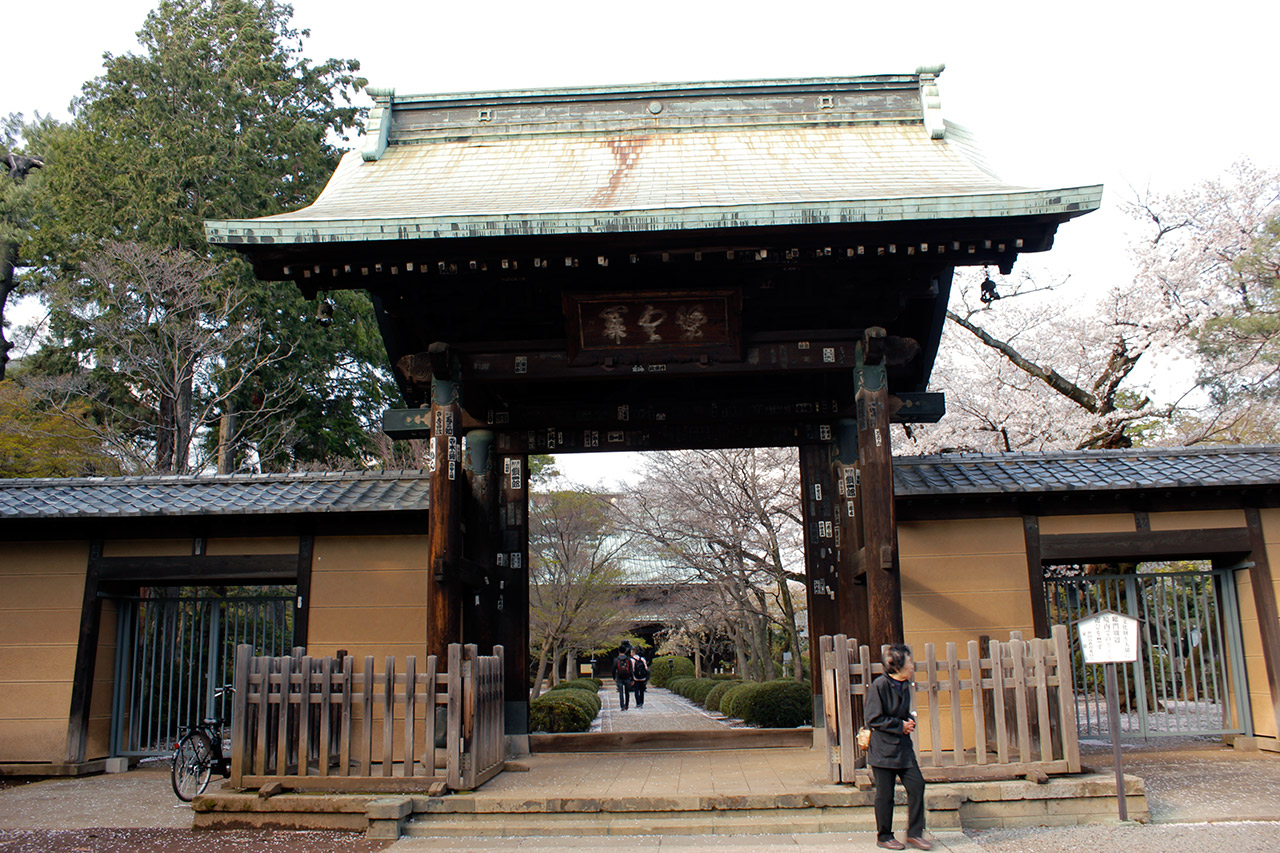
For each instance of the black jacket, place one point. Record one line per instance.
(887, 707)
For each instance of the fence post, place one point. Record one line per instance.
(453, 738)
(239, 710)
(410, 715)
(1067, 700)
(829, 705)
(282, 733)
(979, 711)
(844, 710)
(389, 716)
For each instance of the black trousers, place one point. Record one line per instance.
(637, 688)
(624, 692)
(913, 781)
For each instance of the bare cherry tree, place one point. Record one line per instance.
(172, 352)
(730, 517)
(575, 573)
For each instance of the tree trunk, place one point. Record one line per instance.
(536, 689)
(226, 443)
(182, 422)
(8, 260)
(165, 436)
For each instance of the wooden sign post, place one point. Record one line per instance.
(1109, 638)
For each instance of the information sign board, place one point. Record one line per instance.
(1109, 637)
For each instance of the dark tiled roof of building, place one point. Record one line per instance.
(258, 494)
(1086, 470)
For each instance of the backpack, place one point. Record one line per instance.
(623, 668)
(641, 670)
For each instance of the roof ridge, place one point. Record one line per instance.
(213, 479)
(1110, 453)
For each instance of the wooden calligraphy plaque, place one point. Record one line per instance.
(654, 327)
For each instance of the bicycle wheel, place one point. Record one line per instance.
(192, 765)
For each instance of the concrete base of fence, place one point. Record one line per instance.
(387, 816)
(84, 768)
(1063, 800)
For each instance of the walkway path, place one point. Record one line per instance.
(663, 711)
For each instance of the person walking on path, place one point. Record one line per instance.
(622, 676)
(639, 676)
(890, 754)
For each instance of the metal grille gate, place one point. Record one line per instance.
(1189, 678)
(175, 647)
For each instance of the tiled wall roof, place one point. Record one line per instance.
(1071, 471)
(227, 495)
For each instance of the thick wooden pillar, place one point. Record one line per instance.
(86, 656)
(481, 543)
(513, 600)
(444, 539)
(851, 588)
(1264, 600)
(875, 476)
(819, 507)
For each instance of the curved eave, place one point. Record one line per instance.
(1060, 204)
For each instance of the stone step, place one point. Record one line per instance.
(702, 822)
(743, 822)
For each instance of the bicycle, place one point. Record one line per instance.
(198, 755)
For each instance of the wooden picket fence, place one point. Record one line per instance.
(309, 723)
(1021, 700)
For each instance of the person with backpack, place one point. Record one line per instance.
(622, 674)
(639, 676)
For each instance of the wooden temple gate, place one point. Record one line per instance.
(658, 267)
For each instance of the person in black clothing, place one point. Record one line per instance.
(639, 676)
(891, 755)
(622, 674)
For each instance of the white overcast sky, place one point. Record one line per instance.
(1128, 94)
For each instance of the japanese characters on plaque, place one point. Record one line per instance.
(705, 322)
(1109, 637)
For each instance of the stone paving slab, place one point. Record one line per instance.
(826, 842)
(663, 711)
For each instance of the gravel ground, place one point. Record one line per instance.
(181, 841)
(1248, 837)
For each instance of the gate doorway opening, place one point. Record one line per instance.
(176, 647)
(1189, 679)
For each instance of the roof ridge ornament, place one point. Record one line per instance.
(378, 129)
(931, 101)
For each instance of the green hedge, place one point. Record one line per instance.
(676, 685)
(700, 689)
(781, 704)
(666, 667)
(590, 684)
(562, 711)
(589, 699)
(712, 702)
(734, 696)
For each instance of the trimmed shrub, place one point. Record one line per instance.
(666, 667)
(589, 699)
(781, 704)
(733, 703)
(589, 684)
(726, 676)
(700, 688)
(676, 685)
(712, 702)
(559, 711)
